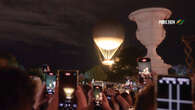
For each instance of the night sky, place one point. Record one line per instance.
(59, 32)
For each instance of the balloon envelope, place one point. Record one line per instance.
(108, 36)
(108, 46)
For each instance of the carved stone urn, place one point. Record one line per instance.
(151, 33)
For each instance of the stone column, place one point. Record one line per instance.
(151, 33)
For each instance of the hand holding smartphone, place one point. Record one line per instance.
(98, 92)
(50, 79)
(68, 81)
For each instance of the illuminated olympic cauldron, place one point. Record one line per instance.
(108, 36)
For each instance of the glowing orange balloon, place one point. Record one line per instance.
(108, 37)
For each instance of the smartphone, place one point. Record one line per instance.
(144, 65)
(97, 92)
(68, 81)
(174, 93)
(50, 80)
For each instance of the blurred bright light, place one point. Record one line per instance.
(108, 36)
(108, 43)
(146, 71)
(68, 92)
(108, 62)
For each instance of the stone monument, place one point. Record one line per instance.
(151, 33)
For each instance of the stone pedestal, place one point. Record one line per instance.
(151, 33)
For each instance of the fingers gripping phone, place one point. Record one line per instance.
(68, 81)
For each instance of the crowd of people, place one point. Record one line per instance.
(18, 93)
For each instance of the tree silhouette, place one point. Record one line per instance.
(97, 72)
(126, 66)
(8, 60)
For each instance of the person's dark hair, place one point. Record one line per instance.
(124, 94)
(17, 89)
(146, 99)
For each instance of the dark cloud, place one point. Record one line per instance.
(31, 28)
(61, 29)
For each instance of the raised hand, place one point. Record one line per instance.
(42, 100)
(105, 103)
(81, 99)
